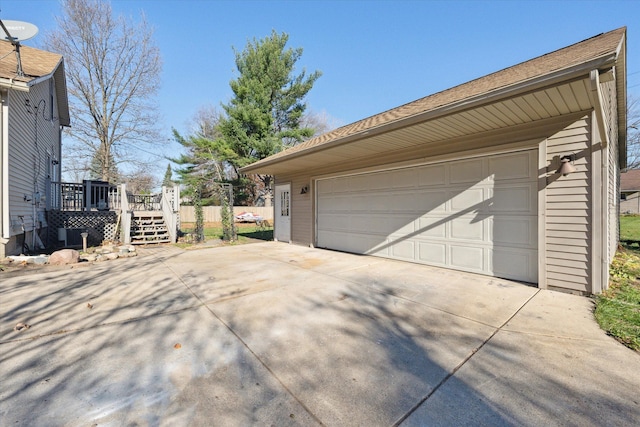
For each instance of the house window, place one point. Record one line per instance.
(623, 196)
(284, 203)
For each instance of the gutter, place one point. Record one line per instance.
(574, 72)
(12, 84)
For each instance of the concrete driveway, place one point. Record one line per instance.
(277, 334)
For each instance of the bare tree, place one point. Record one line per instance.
(113, 71)
(320, 122)
(140, 181)
(633, 132)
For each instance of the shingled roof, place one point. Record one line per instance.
(36, 64)
(630, 180)
(602, 48)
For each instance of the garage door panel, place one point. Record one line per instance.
(325, 186)
(513, 263)
(430, 201)
(469, 171)
(514, 231)
(510, 167)
(432, 227)
(330, 239)
(378, 181)
(377, 224)
(477, 215)
(431, 176)
(357, 203)
(465, 200)
(341, 185)
(405, 202)
(468, 228)
(404, 249)
(400, 225)
(432, 253)
(404, 178)
(359, 183)
(361, 243)
(335, 222)
(513, 198)
(335, 204)
(467, 258)
(379, 203)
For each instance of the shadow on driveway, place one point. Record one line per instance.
(275, 334)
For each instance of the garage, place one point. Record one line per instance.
(475, 214)
(512, 175)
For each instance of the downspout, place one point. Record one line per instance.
(596, 97)
(601, 230)
(5, 229)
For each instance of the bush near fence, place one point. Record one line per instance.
(212, 213)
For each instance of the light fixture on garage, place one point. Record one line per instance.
(304, 190)
(566, 164)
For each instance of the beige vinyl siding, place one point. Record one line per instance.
(301, 208)
(29, 150)
(568, 210)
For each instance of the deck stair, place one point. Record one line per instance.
(148, 227)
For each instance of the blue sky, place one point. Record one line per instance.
(374, 55)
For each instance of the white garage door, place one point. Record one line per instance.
(477, 215)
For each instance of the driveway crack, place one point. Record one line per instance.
(239, 338)
(463, 362)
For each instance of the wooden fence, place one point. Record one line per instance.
(212, 213)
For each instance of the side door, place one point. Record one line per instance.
(282, 213)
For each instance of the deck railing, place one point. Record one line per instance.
(85, 196)
(144, 202)
(98, 195)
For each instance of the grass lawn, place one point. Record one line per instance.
(246, 231)
(630, 228)
(618, 308)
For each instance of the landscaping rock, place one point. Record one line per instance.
(26, 259)
(64, 256)
(126, 248)
(88, 257)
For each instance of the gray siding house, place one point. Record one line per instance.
(630, 192)
(513, 175)
(33, 110)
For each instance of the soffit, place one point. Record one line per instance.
(568, 98)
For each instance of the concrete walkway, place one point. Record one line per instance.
(277, 334)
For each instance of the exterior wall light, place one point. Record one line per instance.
(304, 190)
(566, 164)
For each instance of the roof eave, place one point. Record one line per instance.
(12, 84)
(570, 73)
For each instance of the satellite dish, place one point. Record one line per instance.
(17, 31)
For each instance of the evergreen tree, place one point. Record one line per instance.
(97, 171)
(265, 114)
(168, 181)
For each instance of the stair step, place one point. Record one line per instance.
(148, 227)
(146, 242)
